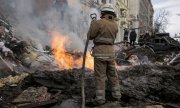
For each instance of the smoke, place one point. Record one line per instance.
(114, 2)
(36, 19)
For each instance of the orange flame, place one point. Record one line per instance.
(67, 60)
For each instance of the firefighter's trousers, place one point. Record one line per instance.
(103, 69)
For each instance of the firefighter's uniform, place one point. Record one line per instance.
(103, 33)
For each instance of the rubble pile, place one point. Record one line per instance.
(29, 77)
(10, 47)
(151, 83)
(175, 61)
(10, 80)
(15, 53)
(32, 95)
(140, 86)
(144, 55)
(142, 52)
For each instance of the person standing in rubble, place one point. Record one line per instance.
(147, 37)
(126, 33)
(103, 33)
(132, 37)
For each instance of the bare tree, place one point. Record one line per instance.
(161, 20)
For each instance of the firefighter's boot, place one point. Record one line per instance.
(100, 98)
(116, 93)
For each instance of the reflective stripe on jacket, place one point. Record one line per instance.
(103, 33)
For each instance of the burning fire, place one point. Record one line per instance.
(65, 59)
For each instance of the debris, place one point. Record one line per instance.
(2, 29)
(6, 51)
(6, 63)
(175, 60)
(37, 97)
(149, 78)
(2, 85)
(141, 52)
(162, 42)
(1, 45)
(12, 80)
(134, 60)
(23, 53)
(39, 104)
(155, 106)
(38, 61)
(153, 83)
(70, 103)
(140, 85)
(34, 95)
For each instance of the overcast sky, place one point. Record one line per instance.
(173, 6)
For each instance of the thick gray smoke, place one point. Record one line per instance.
(36, 19)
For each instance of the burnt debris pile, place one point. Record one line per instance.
(29, 77)
(140, 86)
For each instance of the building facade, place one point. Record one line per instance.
(146, 16)
(141, 16)
(131, 14)
(122, 9)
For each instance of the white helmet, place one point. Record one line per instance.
(108, 8)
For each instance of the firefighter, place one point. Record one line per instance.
(103, 33)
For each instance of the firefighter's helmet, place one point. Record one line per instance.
(108, 8)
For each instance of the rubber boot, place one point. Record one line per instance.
(116, 93)
(100, 98)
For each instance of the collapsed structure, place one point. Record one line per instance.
(143, 84)
(32, 76)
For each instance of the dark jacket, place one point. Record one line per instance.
(126, 32)
(133, 36)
